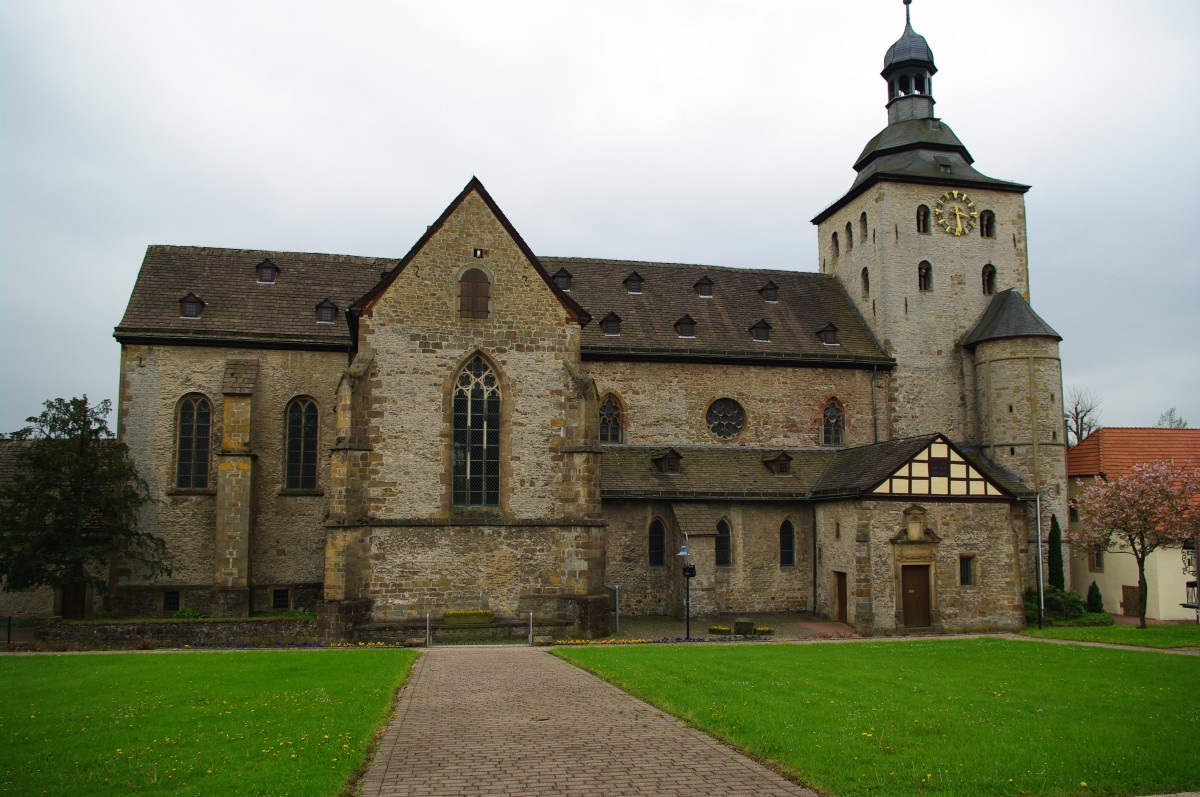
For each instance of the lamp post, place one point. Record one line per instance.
(689, 572)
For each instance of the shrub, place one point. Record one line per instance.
(1095, 603)
(720, 630)
(1060, 605)
(188, 613)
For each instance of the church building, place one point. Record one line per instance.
(474, 426)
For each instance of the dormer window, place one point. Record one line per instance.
(326, 312)
(190, 306)
(829, 335)
(780, 464)
(633, 283)
(686, 327)
(769, 292)
(761, 331)
(562, 278)
(267, 272)
(704, 288)
(668, 461)
(611, 324)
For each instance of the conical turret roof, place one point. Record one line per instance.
(908, 48)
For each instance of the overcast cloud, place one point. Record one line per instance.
(703, 132)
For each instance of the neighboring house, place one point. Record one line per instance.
(475, 426)
(1112, 451)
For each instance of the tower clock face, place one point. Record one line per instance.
(955, 213)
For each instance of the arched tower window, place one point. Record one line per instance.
(833, 425)
(193, 442)
(787, 544)
(987, 224)
(837, 250)
(476, 435)
(724, 544)
(849, 236)
(474, 294)
(923, 219)
(301, 456)
(862, 226)
(989, 279)
(611, 421)
(866, 283)
(657, 544)
(924, 276)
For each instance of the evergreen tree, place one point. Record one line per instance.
(72, 503)
(1055, 558)
(1095, 603)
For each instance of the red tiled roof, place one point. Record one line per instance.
(1114, 450)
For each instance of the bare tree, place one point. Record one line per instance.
(1171, 420)
(1081, 414)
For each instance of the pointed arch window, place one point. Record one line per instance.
(474, 294)
(724, 544)
(193, 443)
(657, 544)
(476, 435)
(987, 224)
(611, 421)
(924, 276)
(833, 424)
(989, 279)
(923, 219)
(301, 457)
(787, 544)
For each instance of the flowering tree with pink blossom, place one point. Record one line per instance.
(1154, 505)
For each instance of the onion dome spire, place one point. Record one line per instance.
(908, 69)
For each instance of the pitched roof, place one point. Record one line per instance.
(1008, 315)
(236, 306)
(720, 472)
(806, 302)
(1113, 450)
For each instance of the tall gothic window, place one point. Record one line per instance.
(476, 435)
(301, 455)
(611, 421)
(193, 431)
(657, 544)
(787, 544)
(474, 292)
(833, 430)
(724, 544)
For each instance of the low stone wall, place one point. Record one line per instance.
(175, 633)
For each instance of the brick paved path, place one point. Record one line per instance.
(518, 721)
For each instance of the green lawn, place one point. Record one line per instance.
(1153, 636)
(201, 723)
(960, 717)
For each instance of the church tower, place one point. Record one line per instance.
(921, 242)
(933, 254)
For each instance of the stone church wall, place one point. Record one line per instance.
(666, 403)
(287, 537)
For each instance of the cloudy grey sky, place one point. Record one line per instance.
(675, 130)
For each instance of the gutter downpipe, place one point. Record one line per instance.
(812, 507)
(1041, 594)
(874, 408)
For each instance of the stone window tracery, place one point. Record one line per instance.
(193, 443)
(833, 426)
(726, 418)
(301, 445)
(611, 421)
(476, 435)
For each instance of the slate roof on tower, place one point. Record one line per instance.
(1008, 315)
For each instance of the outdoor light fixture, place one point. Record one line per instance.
(689, 572)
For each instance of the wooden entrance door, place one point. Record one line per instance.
(74, 602)
(840, 613)
(914, 582)
(1130, 605)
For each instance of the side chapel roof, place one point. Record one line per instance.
(1008, 315)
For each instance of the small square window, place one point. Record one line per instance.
(966, 571)
(1096, 560)
(281, 599)
(171, 601)
(939, 466)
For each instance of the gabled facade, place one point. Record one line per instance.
(866, 442)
